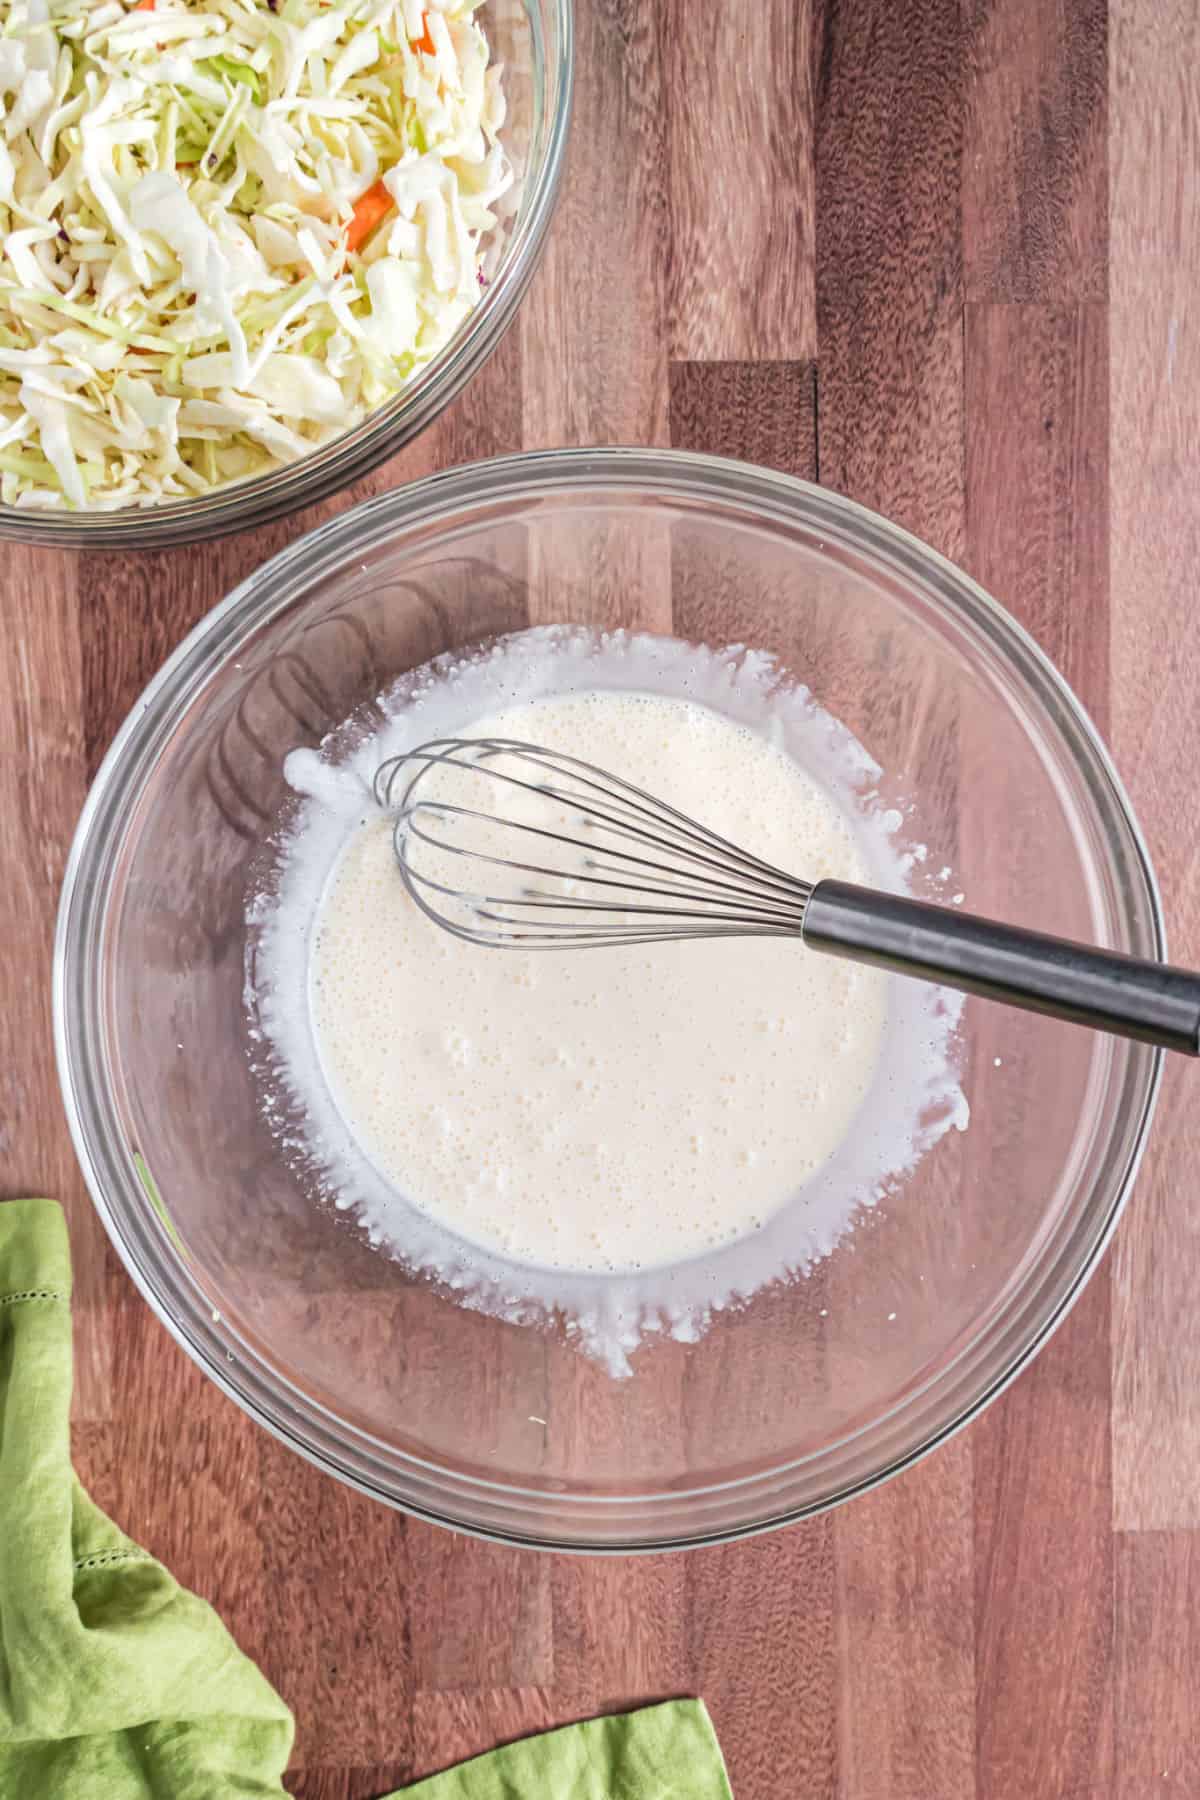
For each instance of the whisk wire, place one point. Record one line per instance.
(688, 832)
(436, 809)
(698, 885)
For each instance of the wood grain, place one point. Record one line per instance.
(1158, 1665)
(1155, 312)
(1035, 164)
(941, 255)
(888, 149)
(346, 1784)
(742, 203)
(43, 779)
(337, 1572)
(890, 411)
(763, 413)
(481, 1614)
(763, 1635)
(906, 1674)
(594, 321)
(620, 1632)
(1044, 1645)
(1037, 433)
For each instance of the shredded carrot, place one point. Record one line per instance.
(424, 42)
(369, 209)
(144, 6)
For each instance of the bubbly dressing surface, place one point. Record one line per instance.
(620, 1141)
(612, 1109)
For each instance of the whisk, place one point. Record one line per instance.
(514, 846)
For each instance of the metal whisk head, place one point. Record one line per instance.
(513, 845)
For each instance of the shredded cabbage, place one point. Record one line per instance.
(230, 230)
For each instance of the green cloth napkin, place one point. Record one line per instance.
(118, 1684)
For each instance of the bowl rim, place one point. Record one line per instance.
(273, 1402)
(353, 454)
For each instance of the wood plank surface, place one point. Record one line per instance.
(944, 256)
(1037, 433)
(888, 151)
(1155, 329)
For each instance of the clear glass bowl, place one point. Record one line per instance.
(534, 40)
(816, 1388)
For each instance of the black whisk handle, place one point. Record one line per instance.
(1121, 994)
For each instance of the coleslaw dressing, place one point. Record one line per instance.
(628, 1138)
(618, 1109)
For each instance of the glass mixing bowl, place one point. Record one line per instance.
(534, 41)
(816, 1388)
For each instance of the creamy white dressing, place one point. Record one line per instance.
(623, 1108)
(629, 1136)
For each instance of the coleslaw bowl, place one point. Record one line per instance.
(533, 40)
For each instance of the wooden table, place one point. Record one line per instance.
(951, 266)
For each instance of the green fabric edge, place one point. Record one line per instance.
(115, 1682)
(664, 1752)
(118, 1683)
